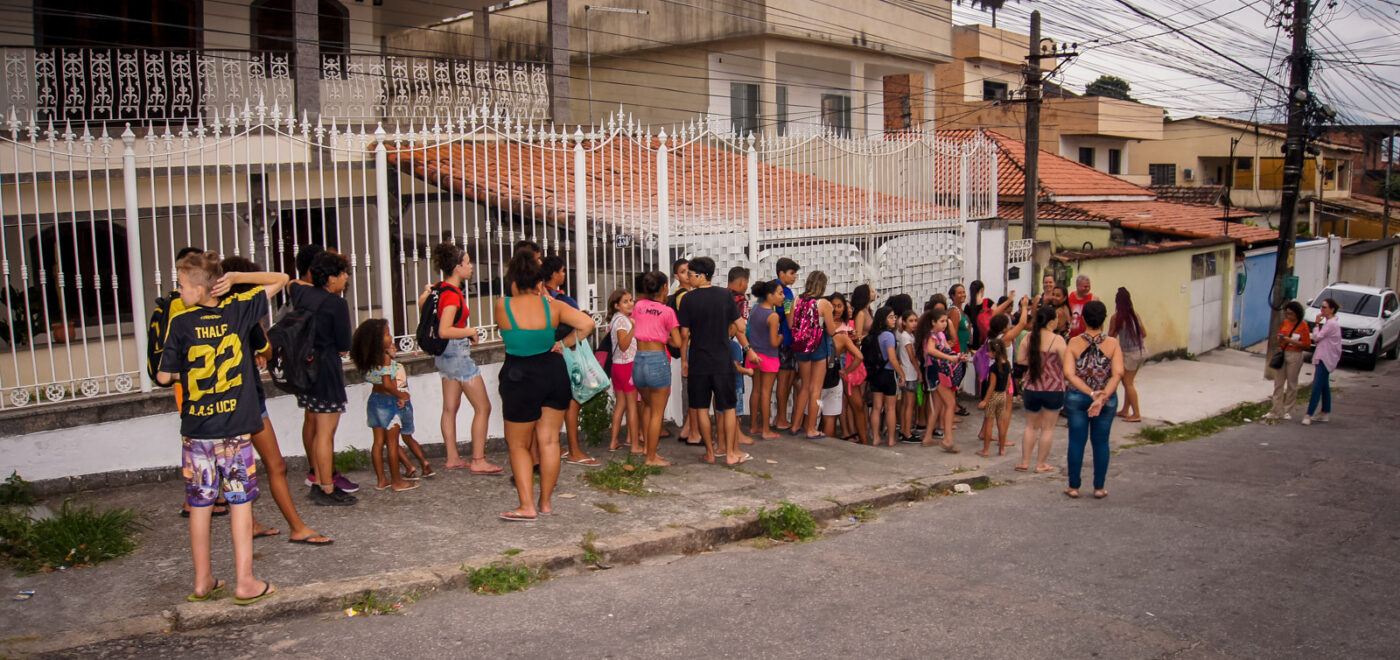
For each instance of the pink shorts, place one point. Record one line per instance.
(766, 364)
(622, 378)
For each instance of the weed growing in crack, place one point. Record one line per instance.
(788, 522)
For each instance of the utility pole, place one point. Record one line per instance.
(1300, 106)
(1032, 130)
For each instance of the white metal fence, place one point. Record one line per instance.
(149, 84)
(93, 217)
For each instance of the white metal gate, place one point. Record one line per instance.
(1207, 303)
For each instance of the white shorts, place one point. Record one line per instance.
(831, 401)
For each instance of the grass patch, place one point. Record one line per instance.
(512, 552)
(627, 477)
(370, 603)
(590, 551)
(1237, 416)
(14, 491)
(351, 460)
(787, 522)
(77, 536)
(610, 507)
(503, 578)
(862, 513)
(981, 485)
(735, 512)
(740, 468)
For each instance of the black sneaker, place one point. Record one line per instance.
(336, 497)
(937, 433)
(909, 439)
(962, 412)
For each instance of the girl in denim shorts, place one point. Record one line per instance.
(389, 410)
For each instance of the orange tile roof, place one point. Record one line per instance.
(1058, 176)
(537, 182)
(1045, 211)
(1134, 250)
(1187, 220)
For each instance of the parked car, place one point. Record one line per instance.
(1370, 319)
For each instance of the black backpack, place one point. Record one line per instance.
(871, 354)
(294, 363)
(427, 333)
(156, 332)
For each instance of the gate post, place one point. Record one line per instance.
(663, 205)
(752, 193)
(381, 204)
(136, 271)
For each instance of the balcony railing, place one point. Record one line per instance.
(156, 85)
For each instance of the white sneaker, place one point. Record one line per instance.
(1322, 419)
(1269, 417)
(1288, 416)
(1307, 420)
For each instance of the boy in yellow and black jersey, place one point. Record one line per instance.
(204, 350)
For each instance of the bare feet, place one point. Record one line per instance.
(483, 466)
(769, 435)
(427, 470)
(403, 486)
(1022, 467)
(745, 440)
(985, 452)
(1100, 494)
(659, 462)
(1001, 452)
(1072, 492)
(708, 458)
(459, 465)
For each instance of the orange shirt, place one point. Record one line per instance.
(1287, 329)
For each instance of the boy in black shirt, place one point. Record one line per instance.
(204, 349)
(708, 318)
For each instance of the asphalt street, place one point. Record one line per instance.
(1261, 541)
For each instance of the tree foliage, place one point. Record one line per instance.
(1110, 86)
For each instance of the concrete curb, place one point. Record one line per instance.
(622, 549)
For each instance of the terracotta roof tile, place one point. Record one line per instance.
(537, 182)
(1046, 211)
(1134, 250)
(1187, 220)
(1203, 195)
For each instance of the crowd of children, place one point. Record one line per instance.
(820, 364)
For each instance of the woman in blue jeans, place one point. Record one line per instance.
(1093, 367)
(1327, 343)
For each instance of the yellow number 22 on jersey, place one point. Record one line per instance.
(215, 363)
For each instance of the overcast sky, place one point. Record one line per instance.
(1186, 78)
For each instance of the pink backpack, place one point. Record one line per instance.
(806, 325)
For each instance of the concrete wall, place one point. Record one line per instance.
(1380, 268)
(1160, 285)
(154, 441)
(1068, 237)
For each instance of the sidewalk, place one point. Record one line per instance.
(452, 517)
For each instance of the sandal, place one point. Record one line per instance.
(268, 590)
(511, 516)
(326, 540)
(209, 595)
(1073, 493)
(587, 462)
(1100, 494)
